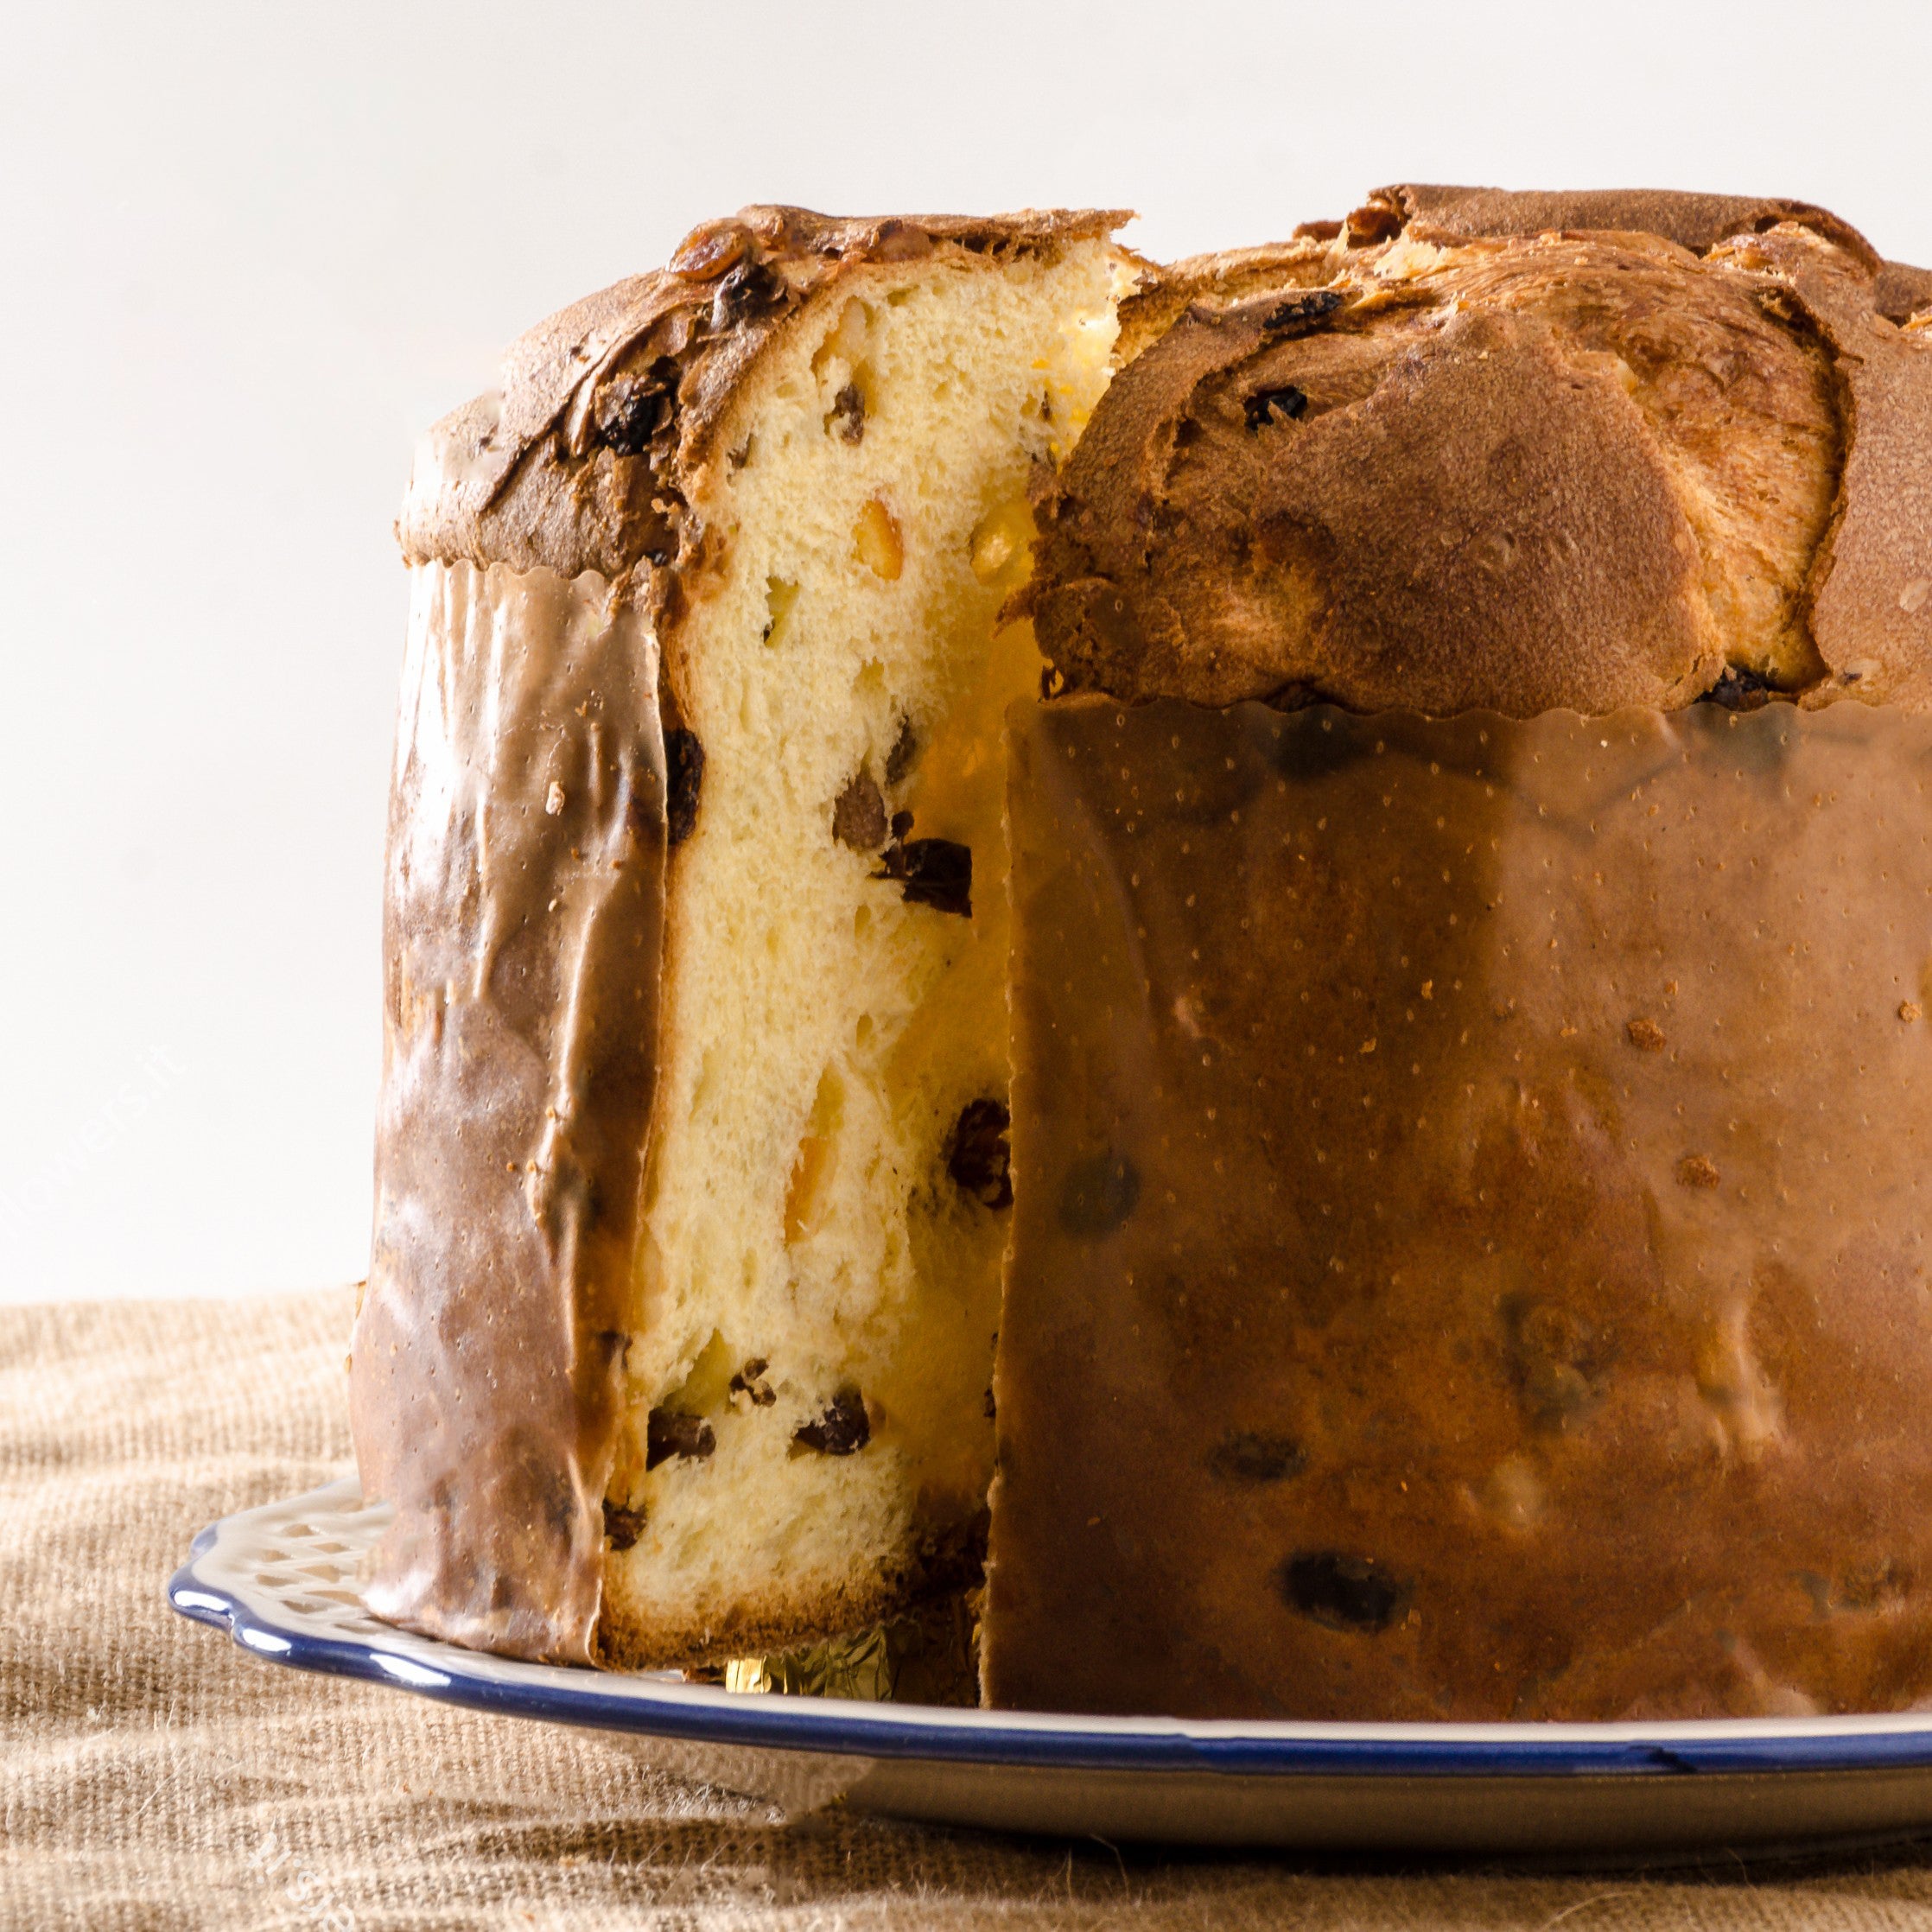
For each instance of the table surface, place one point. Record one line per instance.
(151, 1774)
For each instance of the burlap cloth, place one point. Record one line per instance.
(155, 1776)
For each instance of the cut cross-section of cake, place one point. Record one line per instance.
(668, 1355)
(812, 1335)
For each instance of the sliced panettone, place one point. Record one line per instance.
(729, 1388)
(693, 1171)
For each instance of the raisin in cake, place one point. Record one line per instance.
(691, 1174)
(1472, 1088)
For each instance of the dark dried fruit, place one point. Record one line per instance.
(1872, 1585)
(1294, 696)
(632, 409)
(1299, 313)
(750, 1380)
(1251, 1457)
(903, 755)
(847, 419)
(622, 1526)
(978, 1157)
(1284, 404)
(936, 872)
(666, 1434)
(842, 1430)
(1098, 1195)
(1697, 1170)
(1741, 689)
(750, 286)
(1352, 1593)
(859, 817)
(990, 1408)
(684, 781)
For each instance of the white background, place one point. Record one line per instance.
(248, 253)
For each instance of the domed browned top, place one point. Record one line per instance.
(1470, 450)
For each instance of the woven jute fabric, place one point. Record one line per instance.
(152, 1775)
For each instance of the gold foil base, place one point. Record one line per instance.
(930, 1656)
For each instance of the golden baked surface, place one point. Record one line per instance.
(1515, 452)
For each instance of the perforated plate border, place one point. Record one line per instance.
(282, 1580)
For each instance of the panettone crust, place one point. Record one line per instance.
(1507, 465)
(522, 919)
(1694, 221)
(586, 457)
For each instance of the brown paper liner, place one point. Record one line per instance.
(522, 945)
(1468, 1255)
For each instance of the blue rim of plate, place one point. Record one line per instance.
(663, 1705)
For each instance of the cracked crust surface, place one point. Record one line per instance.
(1476, 449)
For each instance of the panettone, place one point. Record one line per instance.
(1468, 1254)
(691, 1187)
(1468, 946)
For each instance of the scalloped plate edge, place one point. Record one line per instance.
(225, 1582)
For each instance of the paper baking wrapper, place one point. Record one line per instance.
(521, 944)
(1469, 1183)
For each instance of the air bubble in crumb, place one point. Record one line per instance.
(780, 597)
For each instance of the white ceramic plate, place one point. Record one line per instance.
(283, 1580)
